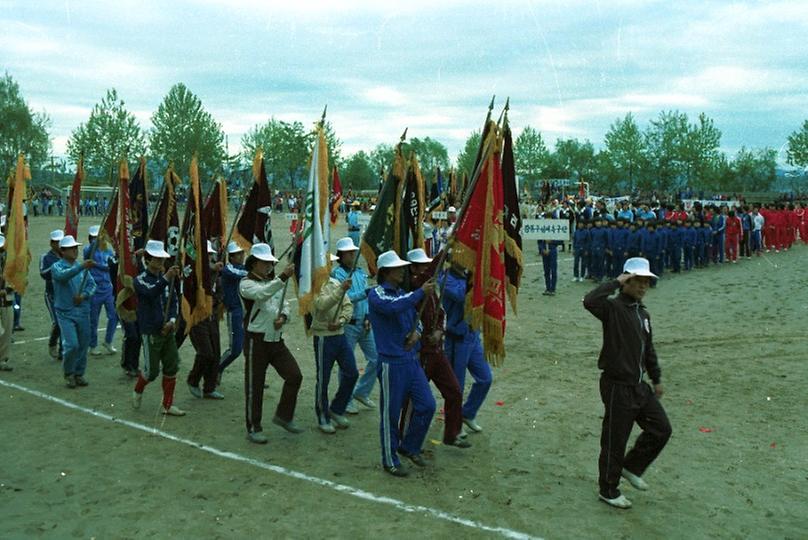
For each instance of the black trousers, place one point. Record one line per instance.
(625, 404)
(130, 353)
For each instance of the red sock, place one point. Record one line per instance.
(141, 383)
(168, 391)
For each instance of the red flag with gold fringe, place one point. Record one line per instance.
(255, 223)
(478, 246)
(336, 197)
(214, 217)
(126, 299)
(72, 210)
(197, 295)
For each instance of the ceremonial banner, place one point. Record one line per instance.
(413, 208)
(138, 213)
(314, 263)
(336, 198)
(512, 219)
(214, 217)
(197, 295)
(255, 223)
(478, 246)
(18, 257)
(72, 210)
(165, 225)
(378, 236)
(126, 299)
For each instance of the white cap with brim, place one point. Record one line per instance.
(638, 266)
(57, 235)
(155, 248)
(262, 252)
(346, 244)
(418, 255)
(390, 259)
(93, 230)
(2, 241)
(68, 242)
(452, 209)
(233, 247)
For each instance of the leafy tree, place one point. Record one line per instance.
(21, 130)
(466, 158)
(664, 140)
(754, 170)
(381, 157)
(358, 173)
(625, 148)
(183, 127)
(797, 152)
(531, 156)
(700, 151)
(574, 159)
(431, 154)
(286, 149)
(606, 177)
(110, 133)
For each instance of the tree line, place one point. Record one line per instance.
(672, 152)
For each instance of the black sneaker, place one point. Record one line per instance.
(70, 381)
(81, 381)
(459, 443)
(399, 471)
(417, 459)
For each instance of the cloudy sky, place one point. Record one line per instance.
(570, 68)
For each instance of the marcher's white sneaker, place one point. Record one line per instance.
(339, 421)
(95, 352)
(366, 401)
(351, 408)
(617, 502)
(137, 399)
(635, 480)
(110, 348)
(327, 428)
(473, 425)
(173, 411)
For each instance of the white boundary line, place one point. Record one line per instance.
(341, 488)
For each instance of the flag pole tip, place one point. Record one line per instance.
(491, 105)
(404, 135)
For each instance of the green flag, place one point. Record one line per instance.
(380, 234)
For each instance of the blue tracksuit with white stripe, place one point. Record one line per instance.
(45, 263)
(392, 316)
(74, 320)
(463, 346)
(103, 294)
(232, 275)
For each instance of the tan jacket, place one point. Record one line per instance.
(324, 307)
(267, 298)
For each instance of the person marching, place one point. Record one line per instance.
(358, 330)
(267, 312)
(330, 313)
(103, 293)
(232, 274)
(432, 355)
(393, 315)
(205, 340)
(353, 222)
(548, 249)
(157, 320)
(627, 355)
(463, 346)
(6, 311)
(72, 290)
(45, 263)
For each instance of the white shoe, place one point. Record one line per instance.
(110, 348)
(339, 421)
(462, 434)
(617, 502)
(173, 411)
(327, 428)
(95, 352)
(366, 401)
(635, 480)
(137, 399)
(473, 425)
(351, 408)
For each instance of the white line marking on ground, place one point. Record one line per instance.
(342, 488)
(48, 337)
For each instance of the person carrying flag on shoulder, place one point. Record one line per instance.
(232, 274)
(45, 263)
(103, 293)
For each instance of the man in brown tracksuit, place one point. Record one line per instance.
(205, 339)
(627, 354)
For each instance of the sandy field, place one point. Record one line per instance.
(733, 349)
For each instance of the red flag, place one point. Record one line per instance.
(107, 235)
(126, 299)
(478, 246)
(214, 216)
(336, 197)
(255, 223)
(72, 213)
(165, 225)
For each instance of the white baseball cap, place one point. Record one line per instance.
(57, 235)
(210, 247)
(418, 255)
(346, 244)
(263, 252)
(390, 259)
(233, 247)
(68, 241)
(155, 248)
(93, 230)
(2, 241)
(638, 266)
(452, 209)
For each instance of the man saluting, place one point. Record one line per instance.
(627, 354)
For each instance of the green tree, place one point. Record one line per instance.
(574, 159)
(110, 133)
(358, 173)
(625, 148)
(183, 127)
(286, 149)
(530, 156)
(466, 158)
(381, 158)
(700, 151)
(664, 141)
(754, 170)
(605, 176)
(431, 155)
(797, 152)
(21, 129)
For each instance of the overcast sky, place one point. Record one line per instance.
(570, 68)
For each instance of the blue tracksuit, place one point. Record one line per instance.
(231, 277)
(675, 244)
(689, 235)
(353, 226)
(705, 244)
(392, 314)
(74, 320)
(651, 249)
(463, 347)
(663, 233)
(581, 242)
(355, 329)
(45, 263)
(152, 296)
(103, 295)
(633, 242)
(718, 225)
(550, 263)
(600, 239)
(618, 244)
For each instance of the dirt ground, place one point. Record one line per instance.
(733, 349)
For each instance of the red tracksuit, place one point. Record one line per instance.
(733, 232)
